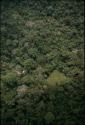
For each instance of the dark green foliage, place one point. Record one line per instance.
(42, 62)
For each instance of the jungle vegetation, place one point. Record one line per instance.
(42, 62)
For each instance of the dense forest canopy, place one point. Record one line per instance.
(42, 62)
